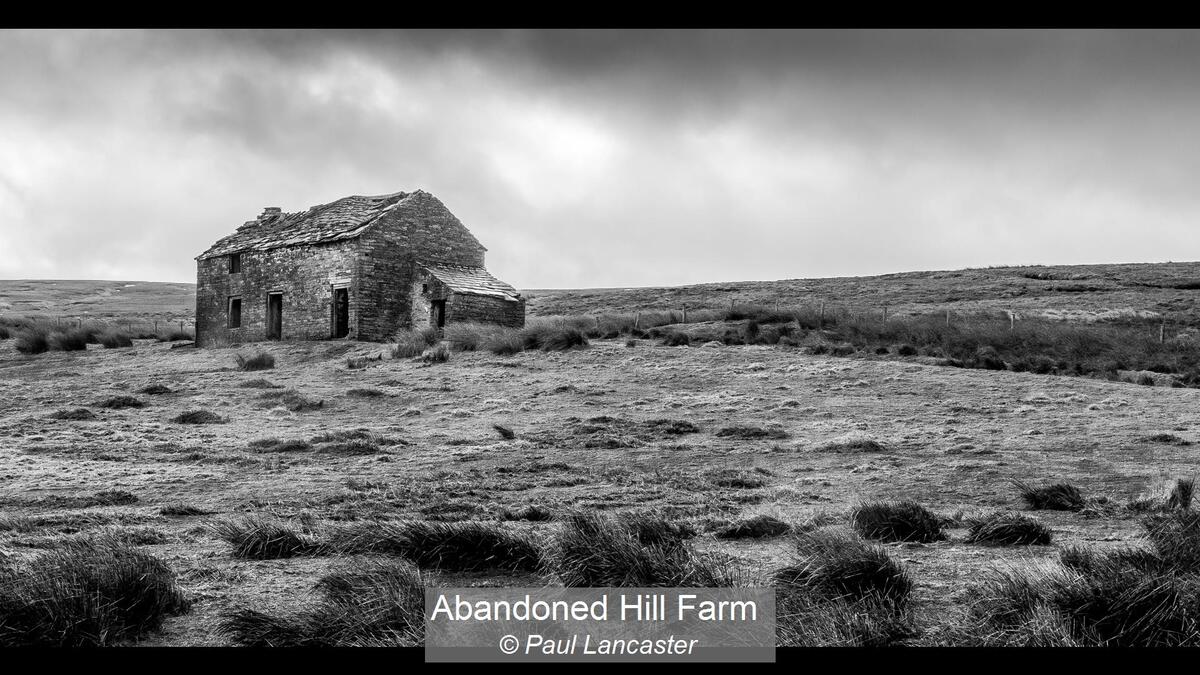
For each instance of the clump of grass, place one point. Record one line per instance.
(174, 335)
(454, 546)
(1170, 439)
(1126, 608)
(897, 521)
(155, 389)
(32, 341)
(471, 336)
(280, 445)
(70, 339)
(598, 550)
(852, 442)
(86, 593)
(838, 566)
(198, 417)
(503, 342)
(505, 433)
(360, 362)
(365, 603)
(113, 498)
(671, 427)
(1181, 494)
(871, 623)
(1011, 608)
(437, 354)
(119, 402)
(532, 513)
(412, 343)
(757, 527)
(297, 402)
(259, 538)
(76, 414)
(652, 530)
(842, 592)
(1176, 539)
(733, 478)
(1121, 598)
(182, 509)
(260, 383)
(258, 361)
(103, 498)
(1085, 560)
(1008, 529)
(676, 339)
(551, 338)
(1056, 497)
(113, 338)
(350, 446)
(747, 433)
(364, 392)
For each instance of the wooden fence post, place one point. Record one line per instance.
(885, 313)
(947, 317)
(1012, 321)
(684, 314)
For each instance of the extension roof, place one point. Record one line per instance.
(471, 280)
(345, 218)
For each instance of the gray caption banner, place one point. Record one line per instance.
(677, 625)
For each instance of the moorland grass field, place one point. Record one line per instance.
(306, 503)
(908, 481)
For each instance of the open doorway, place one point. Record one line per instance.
(341, 312)
(275, 316)
(437, 313)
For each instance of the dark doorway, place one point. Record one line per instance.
(341, 312)
(275, 316)
(438, 313)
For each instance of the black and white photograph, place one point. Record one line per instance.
(550, 345)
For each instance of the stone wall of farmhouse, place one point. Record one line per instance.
(425, 230)
(306, 276)
(485, 309)
(460, 307)
(424, 289)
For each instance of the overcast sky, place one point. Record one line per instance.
(610, 158)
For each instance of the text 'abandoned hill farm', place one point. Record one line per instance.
(372, 415)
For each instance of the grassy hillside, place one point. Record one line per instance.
(133, 301)
(1066, 291)
(1082, 292)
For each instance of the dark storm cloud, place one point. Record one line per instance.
(597, 158)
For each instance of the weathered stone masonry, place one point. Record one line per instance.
(396, 256)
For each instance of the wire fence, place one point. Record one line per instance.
(825, 314)
(134, 326)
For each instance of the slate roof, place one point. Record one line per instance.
(345, 218)
(471, 280)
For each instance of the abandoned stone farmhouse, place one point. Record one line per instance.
(358, 268)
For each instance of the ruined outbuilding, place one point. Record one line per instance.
(359, 268)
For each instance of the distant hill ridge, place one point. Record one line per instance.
(1065, 291)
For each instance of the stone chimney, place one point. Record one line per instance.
(270, 213)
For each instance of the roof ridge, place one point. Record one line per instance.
(343, 218)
